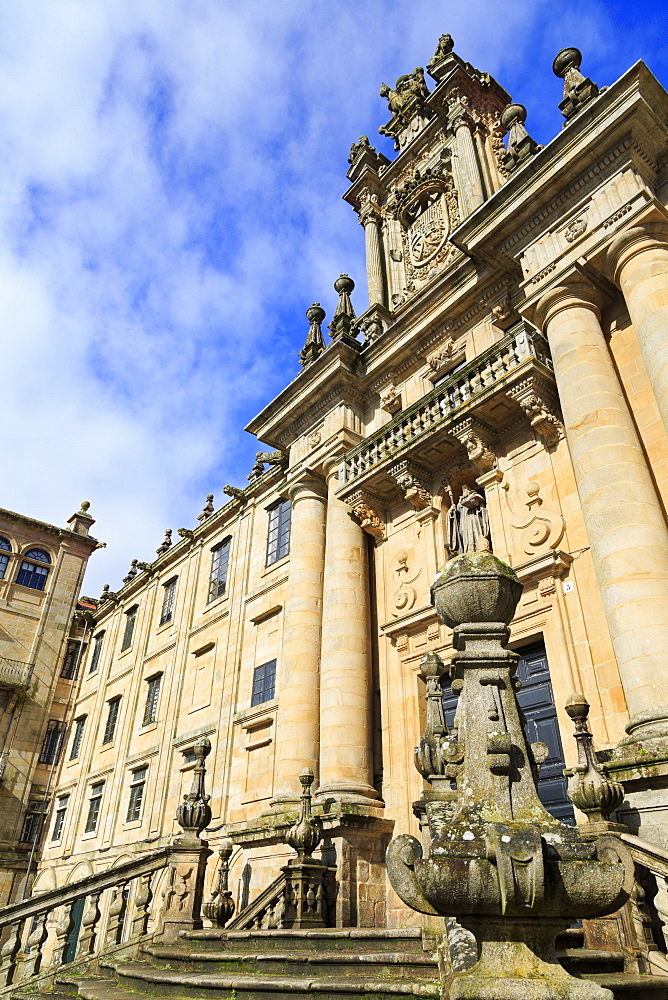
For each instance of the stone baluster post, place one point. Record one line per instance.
(624, 521)
(32, 962)
(298, 725)
(638, 260)
(370, 218)
(468, 167)
(345, 666)
(9, 953)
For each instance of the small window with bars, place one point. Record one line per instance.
(152, 698)
(112, 719)
(59, 816)
(33, 823)
(220, 559)
(168, 602)
(278, 535)
(94, 805)
(97, 652)
(137, 786)
(264, 683)
(71, 661)
(79, 725)
(53, 742)
(128, 631)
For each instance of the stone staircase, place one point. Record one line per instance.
(327, 964)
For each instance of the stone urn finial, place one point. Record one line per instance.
(194, 813)
(589, 788)
(578, 89)
(305, 835)
(315, 342)
(220, 908)
(344, 314)
(476, 587)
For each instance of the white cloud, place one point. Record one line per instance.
(171, 173)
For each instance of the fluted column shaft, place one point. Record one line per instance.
(470, 179)
(624, 521)
(346, 768)
(298, 724)
(639, 258)
(370, 219)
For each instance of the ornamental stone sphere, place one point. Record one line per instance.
(344, 283)
(566, 59)
(476, 587)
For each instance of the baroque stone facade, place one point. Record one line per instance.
(512, 366)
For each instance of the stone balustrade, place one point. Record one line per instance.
(519, 353)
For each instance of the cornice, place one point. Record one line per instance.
(48, 529)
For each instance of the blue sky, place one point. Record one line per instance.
(170, 206)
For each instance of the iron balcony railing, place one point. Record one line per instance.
(447, 402)
(15, 673)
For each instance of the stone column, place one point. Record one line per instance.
(638, 259)
(470, 180)
(297, 730)
(624, 521)
(370, 219)
(345, 667)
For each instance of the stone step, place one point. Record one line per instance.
(357, 939)
(397, 964)
(579, 961)
(627, 986)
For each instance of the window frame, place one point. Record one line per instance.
(70, 670)
(6, 552)
(129, 629)
(220, 564)
(168, 601)
(52, 744)
(137, 788)
(279, 526)
(153, 685)
(98, 642)
(62, 803)
(33, 570)
(263, 683)
(94, 807)
(113, 712)
(77, 737)
(33, 822)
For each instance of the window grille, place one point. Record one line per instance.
(71, 661)
(78, 736)
(264, 683)
(94, 803)
(278, 535)
(112, 719)
(53, 741)
(97, 651)
(220, 558)
(130, 619)
(168, 602)
(152, 696)
(137, 786)
(33, 823)
(59, 819)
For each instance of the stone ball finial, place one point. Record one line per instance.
(306, 777)
(202, 748)
(431, 665)
(513, 114)
(577, 707)
(344, 283)
(566, 59)
(476, 587)
(315, 313)
(85, 506)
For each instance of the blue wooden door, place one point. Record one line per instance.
(537, 703)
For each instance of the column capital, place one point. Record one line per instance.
(370, 214)
(307, 485)
(625, 245)
(571, 293)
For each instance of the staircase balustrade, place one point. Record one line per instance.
(653, 861)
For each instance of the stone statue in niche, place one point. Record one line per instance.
(468, 523)
(408, 88)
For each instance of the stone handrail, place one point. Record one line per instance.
(22, 958)
(265, 911)
(655, 860)
(447, 401)
(15, 673)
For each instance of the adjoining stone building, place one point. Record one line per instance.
(506, 387)
(41, 572)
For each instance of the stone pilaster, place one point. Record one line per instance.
(638, 260)
(370, 219)
(299, 692)
(469, 177)
(624, 521)
(346, 769)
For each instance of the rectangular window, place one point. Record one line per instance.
(94, 803)
(78, 736)
(168, 602)
(112, 719)
(97, 651)
(152, 696)
(32, 576)
(137, 786)
(130, 619)
(264, 683)
(189, 756)
(59, 818)
(278, 536)
(220, 558)
(33, 823)
(71, 661)
(53, 742)
(4, 559)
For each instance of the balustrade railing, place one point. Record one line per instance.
(15, 673)
(447, 401)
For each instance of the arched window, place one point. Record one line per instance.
(32, 575)
(5, 547)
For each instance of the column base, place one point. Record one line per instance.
(348, 791)
(650, 724)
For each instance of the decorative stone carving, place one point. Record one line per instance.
(194, 813)
(468, 523)
(372, 327)
(315, 342)
(536, 400)
(437, 65)
(166, 542)
(412, 481)
(207, 509)
(521, 147)
(186, 533)
(132, 572)
(359, 147)
(235, 493)
(476, 438)
(262, 458)
(344, 314)
(106, 595)
(314, 438)
(439, 753)
(578, 89)
(589, 788)
(220, 908)
(503, 316)
(409, 88)
(443, 358)
(390, 399)
(306, 834)
(575, 229)
(539, 531)
(405, 595)
(367, 510)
